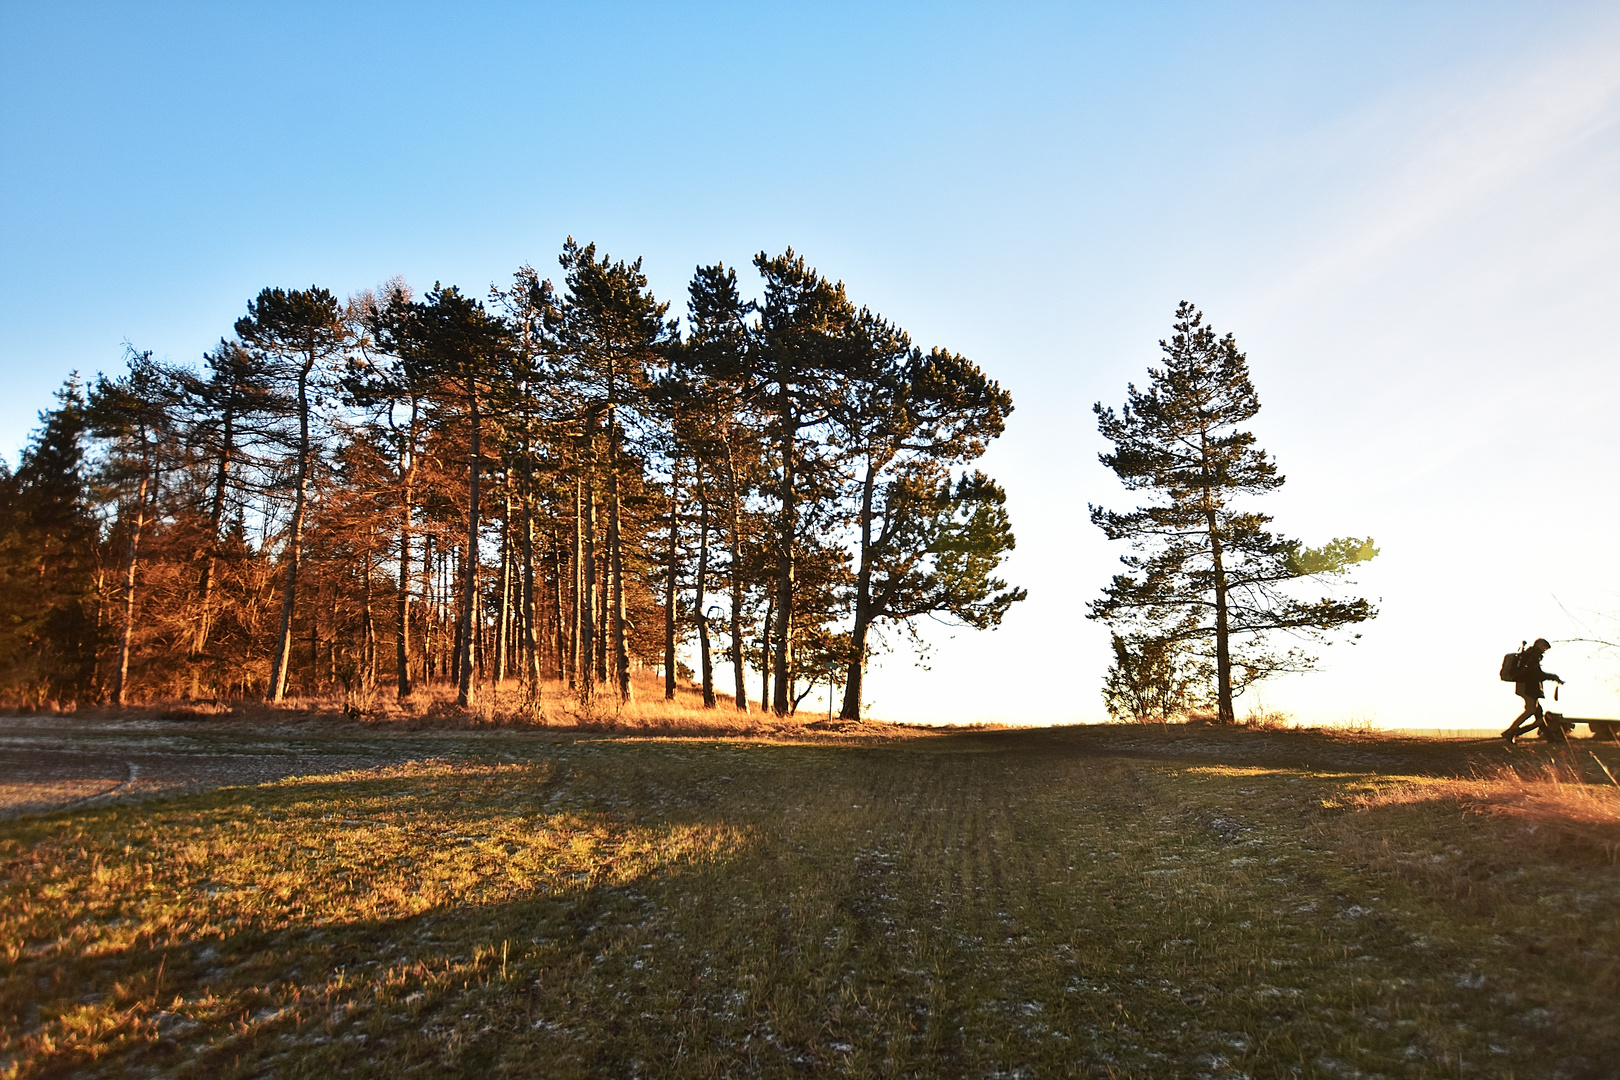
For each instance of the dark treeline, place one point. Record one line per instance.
(549, 485)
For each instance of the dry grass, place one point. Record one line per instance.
(969, 904)
(23, 796)
(433, 707)
(1568, 798)
(1267, 720)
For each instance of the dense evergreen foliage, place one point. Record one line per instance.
(553, 486)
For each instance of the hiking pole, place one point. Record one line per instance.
(1605, 769)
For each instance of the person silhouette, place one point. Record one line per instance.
(1527, 684)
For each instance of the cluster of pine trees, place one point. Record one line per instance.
(551, 485)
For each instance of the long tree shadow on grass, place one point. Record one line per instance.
(987, 903)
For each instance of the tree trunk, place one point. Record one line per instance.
(432, 581)
(402, 602)
(587, 598)
(314, 641)
(470, 557)
(503, 611)
(481, 632)
(295, 543)
(331, 639)
(430, 600)
(765, 657)
(787, 529)
(621, 639)
(101, 621)
(120, 687)
(216, 518)
(368, 629)
(449, 613)
(577, 584)
(671, 589)
(863, 605)
(738, 666)
(563, 633)
(531, 598)
(604, 620)
(1223, 658)
(705, 656)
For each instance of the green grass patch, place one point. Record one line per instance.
(977, 904)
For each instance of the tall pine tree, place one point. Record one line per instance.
(299, 336)
(1206, 574)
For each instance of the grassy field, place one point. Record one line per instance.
(1087, 902)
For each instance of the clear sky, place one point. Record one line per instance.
(1409, 215)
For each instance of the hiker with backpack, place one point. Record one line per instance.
(1527, 677)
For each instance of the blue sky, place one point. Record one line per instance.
(1408, 214)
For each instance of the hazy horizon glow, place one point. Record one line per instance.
(1409, 216)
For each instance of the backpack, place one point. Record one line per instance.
(1510, 667)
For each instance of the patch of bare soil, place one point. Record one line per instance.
(53, 762)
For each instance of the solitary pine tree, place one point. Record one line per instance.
(1206, 575)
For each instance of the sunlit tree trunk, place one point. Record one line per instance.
(577, 582)
(587, 598)
(121, 685)
(469, 588)
(856, 669)
(671, 579)
(705, 657)
(765, 657)
(402, 602)
(603, 599)
(216, 520)
(786, 538)
(621, 640)
(738, 662)
(531, 596)
(294, 552)
(565, 617)
(1226, 713)
(430, 600)
(503, 609)
(368, 628)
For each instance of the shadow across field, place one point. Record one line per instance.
(1063, 902)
